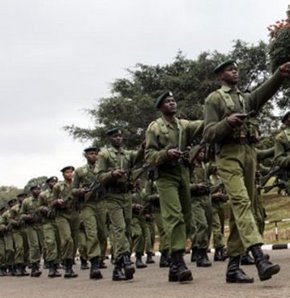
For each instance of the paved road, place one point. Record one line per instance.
(152, 282)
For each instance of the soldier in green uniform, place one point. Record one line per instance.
(166, 140)
(282, 150)
(229, 126)
(92, 209)
(201, 209)
(49, 228)
(2, 240)
(67, 219)
(114, 172)
(83, 252)
(29, 214)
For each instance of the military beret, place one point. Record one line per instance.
(51, 179)
(112, 131)
(35, 187)
(162, 97)
(223, 65)
(22, 194)
(67, 168)
(285, 117)
(11, 200)
(93, 148)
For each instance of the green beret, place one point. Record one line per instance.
(114, 130)
(93, 148)
(35, 187)
(51, 179)
(223, 65)
(11, 200)
(22, 194)
(67, 168)
(285, 117)
(162, 97)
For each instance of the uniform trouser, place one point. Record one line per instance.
(120, 212)
(2, 252)
(140, 234)
(218, 221)
(151, 225)
(237, 167)
(202, 217)
(18, 246)
(101, 216)
(174, 191)
(259, 212)
(68, 224)
(9, 249)
(33, 243)
(89, 219)
(51, 241)
(82, 243)
(163, 238)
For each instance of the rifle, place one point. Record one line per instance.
(281, 184)
(195, 151)
(216, 187)
(96, 188)
(274, 171)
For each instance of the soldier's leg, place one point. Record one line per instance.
(83, 247)
(2, 257)
(34, 250)
(75, 227)
(50, 242)
(19, 253)
(127, 207)
(9, 251)
(101, 216)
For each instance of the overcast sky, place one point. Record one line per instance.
(59, 57)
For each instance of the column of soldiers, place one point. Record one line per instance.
(177, 190)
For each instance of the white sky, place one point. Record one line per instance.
(59, 57)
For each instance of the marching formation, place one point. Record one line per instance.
(176, 184)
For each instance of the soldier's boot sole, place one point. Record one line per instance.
(185, 275)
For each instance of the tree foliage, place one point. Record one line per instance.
(131, 104)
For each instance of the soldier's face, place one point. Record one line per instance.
(36, 192)
(230, 74)
(168, 106)
(68, 174)
(116, 140)
(91, 156)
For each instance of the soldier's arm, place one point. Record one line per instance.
(76, 191)
(104, 174)
(195, 128)
(281, 157)
(262, 94)
(154, 154)
(265, 153)
(216, 128)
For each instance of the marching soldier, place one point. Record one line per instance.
(166, 140)
(230, 127)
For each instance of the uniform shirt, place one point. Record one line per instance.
(162, 135)
(63, 190)
(282, 148)
(217, 129)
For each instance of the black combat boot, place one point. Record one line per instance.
(56, 272)
(193, 254)
(51, 269)
(118, 274)
(2, 271)
(139, 263)
(265, 268)
(24, 272)
(69, 273)
(103, 264)
(220, 254)
(235, 274)
(18, 270)
(202, 258)
(35, 272)
(95, 272)
(149, 259)
(128, 267)
(164, 259)
(178, 270)
(246, 259)
(84, 264)
(10, 271)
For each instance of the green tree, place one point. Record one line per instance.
(131, 104)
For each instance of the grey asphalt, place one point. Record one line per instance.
(152, 282)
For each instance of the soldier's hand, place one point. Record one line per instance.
(60, 202)
(236, 119)
(118, 173)
(285, 69)
(174, 153)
